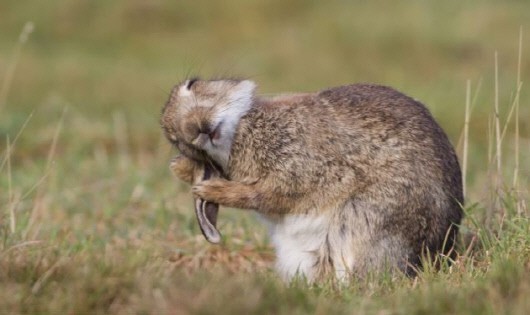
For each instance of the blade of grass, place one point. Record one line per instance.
(12, 219)
(498, 141)
(473, 103)
(10, 73)
(466, 137)
(491, 186)
(516, 135)
(38, 201)
(8, 152)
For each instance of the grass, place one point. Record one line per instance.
(91, 221)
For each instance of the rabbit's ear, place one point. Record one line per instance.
(185, 88)
(206, 213)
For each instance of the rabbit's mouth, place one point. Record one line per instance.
(201, 141)
(206, 138)
(192, 152)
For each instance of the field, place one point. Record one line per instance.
(92, 222)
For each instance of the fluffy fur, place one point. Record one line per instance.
(352, 179)
(210, 114)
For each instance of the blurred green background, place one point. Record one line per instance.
(87, 179)
(96, 58)
(104, 69)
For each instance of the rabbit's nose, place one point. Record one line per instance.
(201, 140)
(215, 134)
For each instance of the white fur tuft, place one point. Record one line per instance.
(184, 91)
(238, 103)
(297, 240)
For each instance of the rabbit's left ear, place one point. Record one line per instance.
(185, 88)
(206, 213)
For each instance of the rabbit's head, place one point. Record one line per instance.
(201, 116)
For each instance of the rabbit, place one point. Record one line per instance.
(351, 180)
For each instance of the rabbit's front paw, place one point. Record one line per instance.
(182, 167)
(211, 190)
(227, 193)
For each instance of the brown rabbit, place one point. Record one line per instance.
(352, 179)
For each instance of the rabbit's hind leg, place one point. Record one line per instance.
(359, 243)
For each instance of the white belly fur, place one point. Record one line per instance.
(297, 240)
(304, 244)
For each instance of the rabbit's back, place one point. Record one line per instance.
(370, 160)
(351, 137)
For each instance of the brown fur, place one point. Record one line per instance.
(367, 156)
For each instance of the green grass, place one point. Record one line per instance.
(91, 221)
